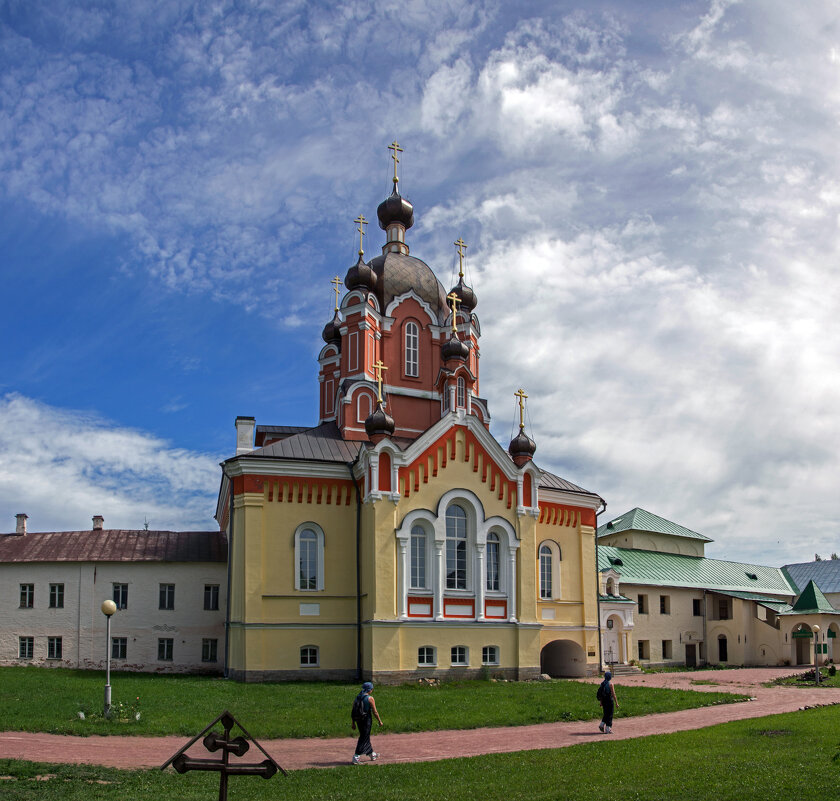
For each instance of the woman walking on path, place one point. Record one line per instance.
(364, 708)
(606, 695)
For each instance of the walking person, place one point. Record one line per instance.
(606, 695)
(362, 713)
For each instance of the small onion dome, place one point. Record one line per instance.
(395, 209)
(466, 295)
(455, 349)
(360, 276)
(379, 424)
(332, 332)
(522, 448)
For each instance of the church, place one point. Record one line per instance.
(397, 538)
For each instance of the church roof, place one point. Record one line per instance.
(826, 574)
(812, 601)
(114, 545)
(397, 273)
(321, 443)
(551, 481)
(676, 570)
(641, 520)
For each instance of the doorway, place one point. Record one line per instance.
(690, 655)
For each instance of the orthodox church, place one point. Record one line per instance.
(397, 538)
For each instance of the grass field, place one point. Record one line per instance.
(41, 699)
(779, 757)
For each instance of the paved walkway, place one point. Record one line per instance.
(150, 752)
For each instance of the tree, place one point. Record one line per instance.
(835, 556)
(817, 557)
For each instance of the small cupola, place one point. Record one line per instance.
(466, 297)
(332, 330)
(522, 447)
(395, 213)
(454, 348)
(379, 424)
(360, 275)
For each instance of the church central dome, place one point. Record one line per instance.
(397, 273)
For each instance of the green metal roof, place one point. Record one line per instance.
(812, 601)
(771, 603)
(640, 520)
(676, 570)
(615, 599)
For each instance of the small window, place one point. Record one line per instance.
(493, 563)
(545, 572)
(119, 647)
(121, 596)
(418, 558)
(666, 649)
(27, 596)
(644, 649)
(209, 650)
(165, 649)
(211, 597)
(664, 604)
(610, 587)
(490, 655)
(56, 596)
(26, 647)
(461, 398)
(459, 655)
(412, 350)
(54, 647)
(309, 656)
(752, 576)
(723, 610)
(166, 598)
(426, 656)
(643, 604)
(696, 607)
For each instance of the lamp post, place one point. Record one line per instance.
(816, 630)
(108, 608)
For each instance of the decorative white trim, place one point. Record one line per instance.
(391, 307)
(570, 498)
(319, 565)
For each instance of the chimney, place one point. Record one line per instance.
(98, 520)
(20, 528)
(245, 434)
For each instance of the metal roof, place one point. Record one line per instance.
(114, 545)
(812, 601)
(641, 520)
(676, 570)
(825, 573)
(322, 443)
(551, 481)
(762, 600)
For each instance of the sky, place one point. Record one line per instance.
(650, 193)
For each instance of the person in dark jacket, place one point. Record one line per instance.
(609, 702)
(363, 745)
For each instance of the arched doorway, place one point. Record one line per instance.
(612, 641)
(803, 647)
(563, 658)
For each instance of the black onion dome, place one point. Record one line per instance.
(395, 208)
(466, 295)
(332, 332)
(522, 445)
(455, 349)
(379, 423)
(360, 276)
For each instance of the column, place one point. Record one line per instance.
(512, 586)
(480, 581)
(403, 579)
(439, 574)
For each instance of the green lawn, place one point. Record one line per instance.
(779, 757)
(41, 699)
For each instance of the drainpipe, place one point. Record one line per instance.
(350, 467)
(229, 573)
(598, 588)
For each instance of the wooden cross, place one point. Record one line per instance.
(395, 156)
(462, 246)
(336, 282)
(454, 300)
(521, 395)
(362, 222)
(379, 366)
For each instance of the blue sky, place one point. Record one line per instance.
(650, 193)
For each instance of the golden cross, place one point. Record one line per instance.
(379, 366)
(462, 246)
(396, 151)
(454, 300)
(521, 395)
(362, 222)
(336, 282)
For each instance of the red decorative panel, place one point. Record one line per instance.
(459, 608)
(384, 472)
(495, 610)
(420, 606)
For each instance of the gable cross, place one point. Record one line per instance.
(521, 395)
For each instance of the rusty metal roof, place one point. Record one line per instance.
(114, 545)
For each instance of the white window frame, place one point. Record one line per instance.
(489, 654)
(556, 562)
(26, 647)
(411, 349)
(427, 656)
(453, 539)
(464, 661)
(360, 416)
(310, 649)
(57, 596)
(121, 644)
(209, 648)
(493, 541)
(319, 564)
(546, 572)
(167, 644)
(55, 648)
(418, 531)
(461, 393)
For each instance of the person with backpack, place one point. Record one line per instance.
(361, 715)
(607, 699)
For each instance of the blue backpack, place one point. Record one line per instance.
(358, 711)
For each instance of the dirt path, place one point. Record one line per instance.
(150, 752)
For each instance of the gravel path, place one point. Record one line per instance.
(150, 752)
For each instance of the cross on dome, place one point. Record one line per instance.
(462, 246)
(379, 366)
(361, 222)
(336, 282)
(396, 150)
(521, 395)
(455, 301)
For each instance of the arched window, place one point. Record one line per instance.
(546, 572)
(493, 562)
(309, 557)
(363, 407)
(418, 558)
(610, 587)
(412, 350)
(456, 548)
(462, 394)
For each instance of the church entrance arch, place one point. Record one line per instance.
(563, 659)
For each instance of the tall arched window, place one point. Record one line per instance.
(418, 558)
(493, 562)
(462, 394)
(412, 350)
(308, 560)
(456, 548)
(545, 572)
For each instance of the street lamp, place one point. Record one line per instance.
(108, 608)
(816, 630)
